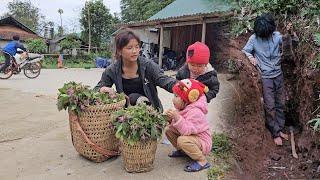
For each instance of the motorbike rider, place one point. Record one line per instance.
(10, 51)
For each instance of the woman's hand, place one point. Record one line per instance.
(173, 114)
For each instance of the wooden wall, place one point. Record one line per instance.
(216, 39)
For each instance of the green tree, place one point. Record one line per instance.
(100, 19)
(136, 10)
(60, 11)
(71, 41)
(36, 45)
(26, 13)
(60, 28)
(300, 12)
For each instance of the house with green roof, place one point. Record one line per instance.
(184, 22)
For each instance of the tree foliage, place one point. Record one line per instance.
(101, 22)
(71, 41)
(36, 45)
(26, 13)
(304, 14)
(60, 28)
(301, 12)
(136, 10)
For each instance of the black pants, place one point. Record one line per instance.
(6, 63)
(274, 104)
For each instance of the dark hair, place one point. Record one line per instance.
(16, 37)
(122, 39)
(264, 25)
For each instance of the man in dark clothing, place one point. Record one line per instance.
(10, 50)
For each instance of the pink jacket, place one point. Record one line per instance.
(193, 121)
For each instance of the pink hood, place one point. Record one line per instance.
(201, 104)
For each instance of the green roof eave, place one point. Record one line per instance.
(189, 7)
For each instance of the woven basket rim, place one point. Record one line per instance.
(101, 106)
(139, 141)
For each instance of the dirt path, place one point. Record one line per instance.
(35, 140)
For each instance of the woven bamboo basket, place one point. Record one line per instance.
(138, 157)
(92, 132)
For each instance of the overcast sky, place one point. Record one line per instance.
(71, 10)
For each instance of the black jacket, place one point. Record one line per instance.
(209, 79)
(150, 73)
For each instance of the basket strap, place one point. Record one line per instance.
(96, 147)
(72, 117)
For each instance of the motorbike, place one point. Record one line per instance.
(23, 61)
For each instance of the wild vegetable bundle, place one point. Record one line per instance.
(139, 123)
(76, 97)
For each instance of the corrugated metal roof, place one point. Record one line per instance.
(180, 8)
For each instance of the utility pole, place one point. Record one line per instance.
(89, 24)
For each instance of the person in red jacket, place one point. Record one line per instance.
(198, 67)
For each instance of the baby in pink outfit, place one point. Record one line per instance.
(189, 130)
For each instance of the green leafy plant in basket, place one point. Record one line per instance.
(139, 123)
(76, 97)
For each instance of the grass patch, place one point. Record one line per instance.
(221, 146)
(51, 63)
(48, 64)
(215, 173)
(220, 156)
(218, 170)
(86, 65)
